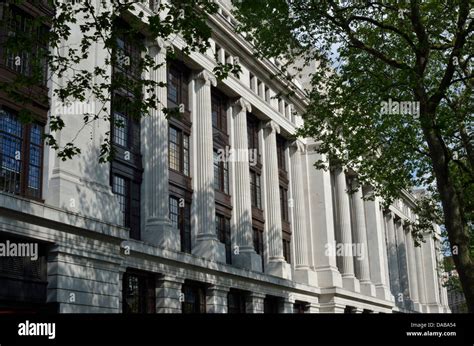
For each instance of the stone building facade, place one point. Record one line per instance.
(217, 211)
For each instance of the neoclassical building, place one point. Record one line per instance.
(219, 210)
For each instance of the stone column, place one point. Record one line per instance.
(402, 263)
(286, 305)
(207, 243)
(431, 274)
(362, 262)
(246, 257)
(154, 147)
(255, 303)
(344, 225)
(303, 273)
(413, 279)
(376, 246)
(420, 277)
(216, 299)
(393, 259)
(277, 265)
(168, 294)
(322, 221)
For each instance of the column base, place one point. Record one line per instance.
(248, 260)
(279, 268)
(351, 283)
(417, 307)
(434, 309)
(216, 300)
(162, 234)
(328, 277)
(286, 307)
(254, 303)
(211, 249)
(306, 276)
(382, 292)
(367, 288)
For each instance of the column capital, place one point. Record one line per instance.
(272, 126)
(298, 146)
(159, 45)
(243, 105)
(207, 77)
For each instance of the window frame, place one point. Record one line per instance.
(25, 148)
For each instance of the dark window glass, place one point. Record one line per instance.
(221, 173)
(299, 307)
(121, 187)
(21, 156)
(177, 85)
(178, 150)
(255, 190)
(236, 302)
(24, 45)
(287, 250)
(219, 115)
(252, 135)
(284, 203)
(258, 244)
(223, 233)
(270, 305)
(138, 293)
(180, 215)
(281, 153)
(194, 299)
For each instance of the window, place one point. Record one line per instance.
(121, 128)
(194, 298)
(221, 173)
(284, 204)
(178, 150)
(223, 233)
(177, 83)
(258, 243)
(259, 88)
(255, 190)
(21, 156)
(128, 193)
(23, 45)
(138, 293)
(286, 249)
(299, 307)
(270, 305)
(180, 215)
(219, 114)
(252, 134)
(281, 153)
(236, 302)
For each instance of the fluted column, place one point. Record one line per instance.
(362, 261)
(246, 257)
(376, 246)
(207, 243)
(431, 274)
(154, 147)
(393, 259)
(302, 269)
(413, 279)
(277, 265)
(402, 262)
(344, 222)
(321, 218)
(420, 276)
